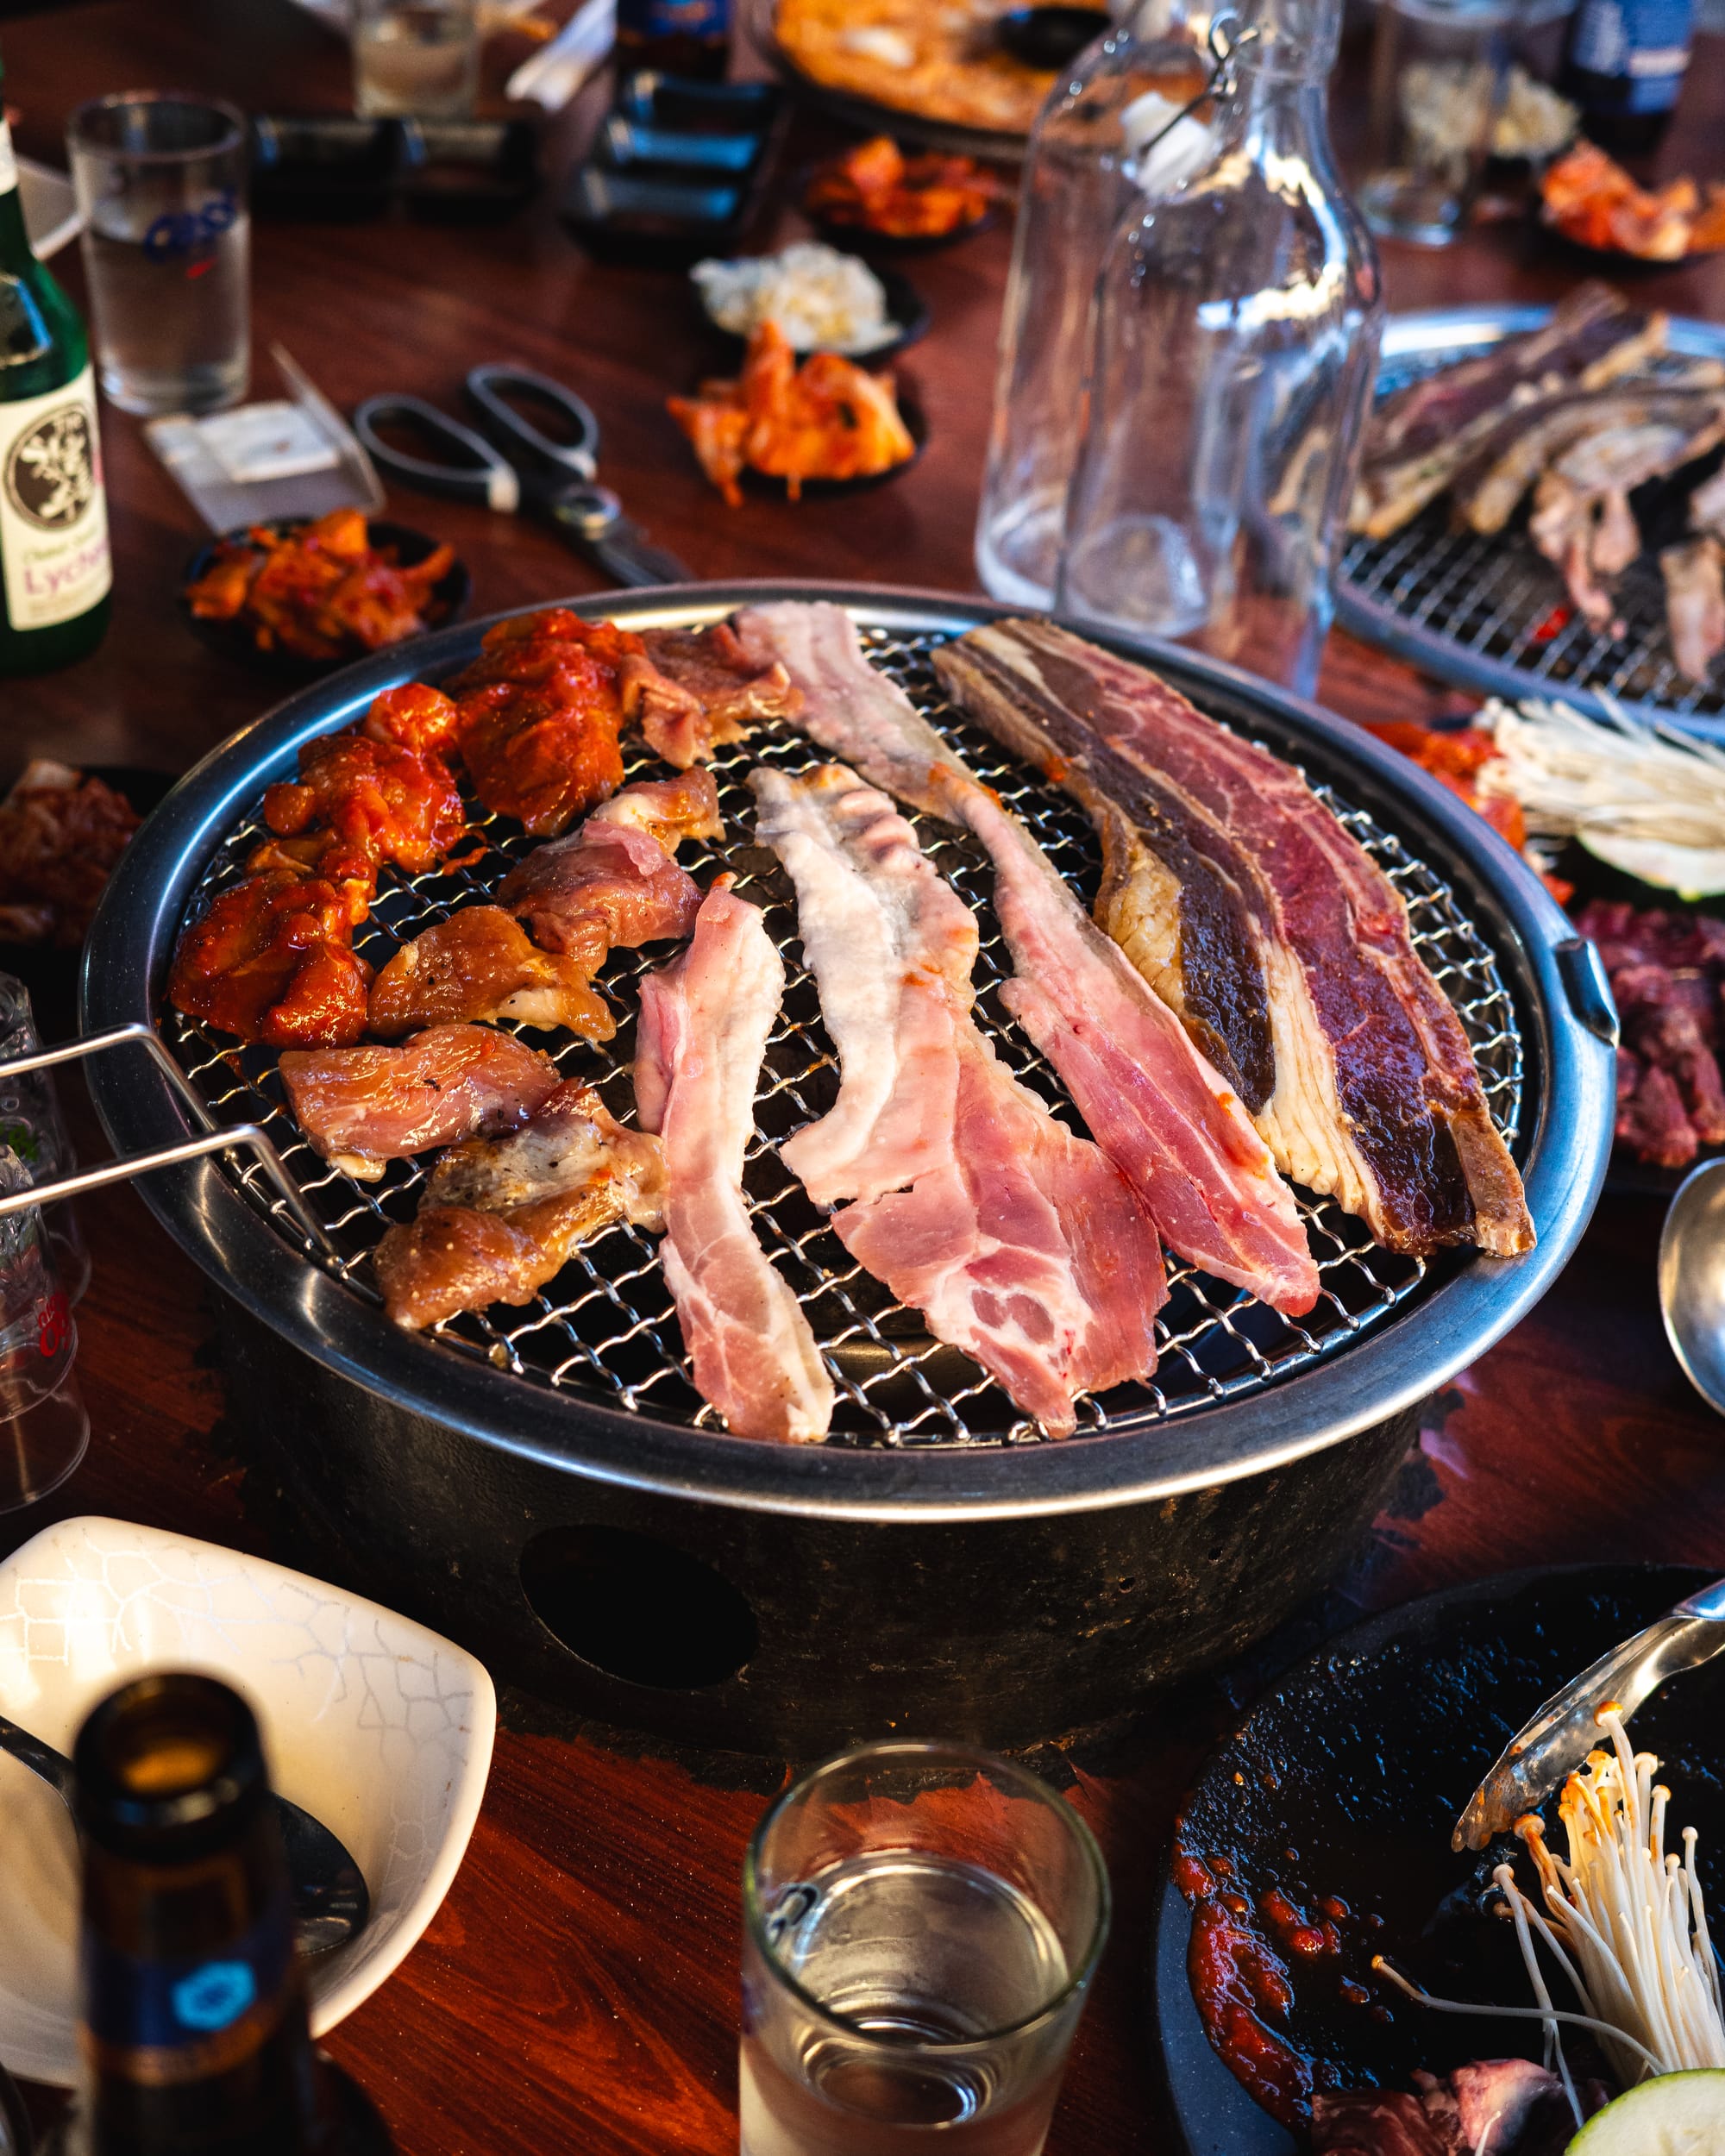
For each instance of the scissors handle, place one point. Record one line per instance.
(592, 518)
(496, 391)
(473, 473)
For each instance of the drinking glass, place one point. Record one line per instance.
(44, 1428)
(161, 182)
(1439, 68)
(415, 58)
(31, 1124)
(921, 1923)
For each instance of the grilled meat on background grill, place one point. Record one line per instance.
(1582, 518)
(1695, 602)
(702, 1033)
(1021, 1242)
(362, 1106)
(611, 883)
(499, 1216)
(704, 693)
(1170, 1123)
(1266, 925)
(1418, 437)
(271, 959)
(1489, 487)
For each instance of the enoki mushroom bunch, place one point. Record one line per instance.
(1624, 1918)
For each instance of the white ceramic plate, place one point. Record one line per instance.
(52, 216)
(379, 1727)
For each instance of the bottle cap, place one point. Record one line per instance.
(168, 1765)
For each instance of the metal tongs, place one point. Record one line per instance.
(1565, 1729)
(213, 1137)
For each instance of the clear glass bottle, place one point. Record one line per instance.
(1236, 329)
(1080, 176)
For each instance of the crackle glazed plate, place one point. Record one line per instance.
(379, 1727)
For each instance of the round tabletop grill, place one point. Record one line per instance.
(581, 1400)
(1492, 613)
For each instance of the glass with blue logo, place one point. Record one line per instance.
(162, 186)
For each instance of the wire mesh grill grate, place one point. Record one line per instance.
(605, 1329)
(1499, 600)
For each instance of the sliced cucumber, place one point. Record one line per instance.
(1673, 2115)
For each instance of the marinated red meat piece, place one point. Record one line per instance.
(1374, 2122)
(1667, 973)
(414, 716)
(359, 804)
(271, 960)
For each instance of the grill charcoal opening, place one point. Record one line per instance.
(604, 1329)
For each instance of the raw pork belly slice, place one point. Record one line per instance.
(500, 1216)
(704, 1020)
(1172, 1125)
(1271, 930)
(362, 1106)
(1021, 1242)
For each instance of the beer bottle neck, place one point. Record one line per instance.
(196, 2038)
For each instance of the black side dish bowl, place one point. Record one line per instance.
(235, 639)
(1340, 1792)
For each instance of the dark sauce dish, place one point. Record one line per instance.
(1330, 1811)
(236, 639)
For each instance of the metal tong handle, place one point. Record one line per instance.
(213, 1137)
(593, 518)
(478, 473)
(487, 389)
(1562, 1732)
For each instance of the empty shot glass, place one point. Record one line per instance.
(32, 1125)
(921, 1923)
(44, 1427)
(167, 243)
(1438, 69)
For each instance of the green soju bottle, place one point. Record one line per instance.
(54, 566)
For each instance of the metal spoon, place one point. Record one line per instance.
(1564, 1732)
(330, 1901)
(1692, 1281)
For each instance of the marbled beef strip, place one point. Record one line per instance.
(1294, 952)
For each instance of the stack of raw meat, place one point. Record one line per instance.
(1667, 973)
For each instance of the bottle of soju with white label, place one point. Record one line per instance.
(54, 565)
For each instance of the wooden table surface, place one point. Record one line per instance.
(578, 1987)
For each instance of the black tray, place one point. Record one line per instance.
(1360, 1760)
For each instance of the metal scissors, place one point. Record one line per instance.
(513, 464)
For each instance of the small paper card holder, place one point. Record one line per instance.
(293, 457)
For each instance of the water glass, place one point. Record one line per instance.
(32, 1126)
(921, 1923)
(415, 58)
(1439, 68)
(44, 1428)
(161, 183)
